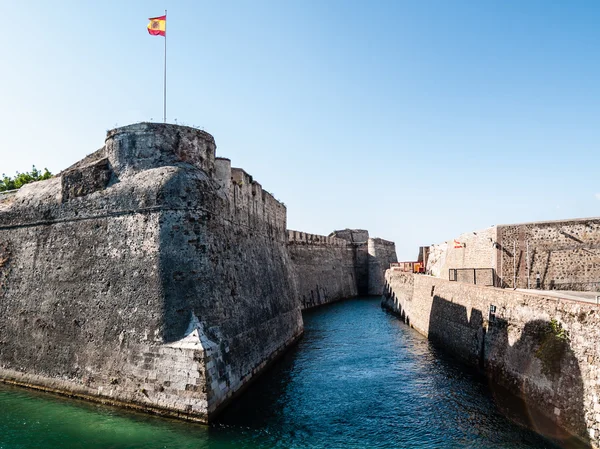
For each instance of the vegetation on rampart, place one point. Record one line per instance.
(20, 179)
(553, 344)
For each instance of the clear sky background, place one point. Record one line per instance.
(416, 120)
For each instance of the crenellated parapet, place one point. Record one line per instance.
(254, 207)
(249, 204)
(304, 238)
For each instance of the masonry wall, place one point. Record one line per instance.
(251, 205)
(472, 250)
(565, 253)
(344, 264)
(359, 239)
(361, 267)
(351, 235)
(516, 345)
(324, 267)
(381, 253)
(131, 278)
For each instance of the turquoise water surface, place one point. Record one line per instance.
(358, 379)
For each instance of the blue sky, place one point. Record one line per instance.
(416, 120)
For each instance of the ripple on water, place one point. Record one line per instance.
(358, 379)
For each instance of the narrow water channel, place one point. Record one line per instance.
(358, 379)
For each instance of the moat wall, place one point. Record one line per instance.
(381, 253)
(131, 278)
(344, 264)
(520, 345)
(324, 267)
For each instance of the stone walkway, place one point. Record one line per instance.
(590, 297)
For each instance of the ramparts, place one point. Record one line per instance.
(344, 264)
(131, 278)
(324, 267)
(542, 349)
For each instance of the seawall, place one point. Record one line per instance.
(542, 349)
(131, 278)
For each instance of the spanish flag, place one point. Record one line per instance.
(158, 26)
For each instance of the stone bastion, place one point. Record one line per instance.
(131, 277)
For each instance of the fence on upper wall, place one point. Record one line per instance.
(573, 286)
(477, 276)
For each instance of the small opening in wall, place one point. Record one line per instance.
(492, 314)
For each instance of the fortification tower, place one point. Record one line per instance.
(131, 277)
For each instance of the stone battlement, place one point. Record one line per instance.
(352, 235)
(304, 238)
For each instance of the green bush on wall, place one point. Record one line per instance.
(554, 342)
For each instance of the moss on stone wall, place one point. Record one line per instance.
(553, 343)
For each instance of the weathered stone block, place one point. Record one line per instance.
(85, 180)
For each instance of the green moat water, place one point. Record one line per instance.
(358, 379)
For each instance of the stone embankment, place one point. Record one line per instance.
(542, 349)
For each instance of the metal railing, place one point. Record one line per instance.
(574, 286)
(476, 276)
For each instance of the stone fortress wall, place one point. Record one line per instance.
(131, 278)
(565, 253)
(344, 264)
(156, 276)
(324, 266)
(542, 349)
(359, 238)
(475, 251)
(381, 253)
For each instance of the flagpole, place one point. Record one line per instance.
(165, 75)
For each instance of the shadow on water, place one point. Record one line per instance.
(358, 379)
(362, 379)
(260, 405)
(536, 381)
